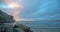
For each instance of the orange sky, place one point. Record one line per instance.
(15, 12)
(13, 5)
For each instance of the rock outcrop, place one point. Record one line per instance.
(7, 24)
(4, 17)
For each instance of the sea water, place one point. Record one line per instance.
(42, 26)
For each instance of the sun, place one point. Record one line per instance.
(11, 6)
(15, 5)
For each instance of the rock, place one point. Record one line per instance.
(7, 22)
(4, 17)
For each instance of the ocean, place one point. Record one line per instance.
(42, 26)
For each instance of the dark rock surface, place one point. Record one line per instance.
(4, 17)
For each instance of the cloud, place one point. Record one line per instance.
(41, 9)
(35, 9)
(13, 8)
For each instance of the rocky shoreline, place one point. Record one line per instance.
(7, 24)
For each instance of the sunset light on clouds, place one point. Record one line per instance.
(15, 8)
(14, 5)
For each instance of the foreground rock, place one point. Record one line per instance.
(7, 24)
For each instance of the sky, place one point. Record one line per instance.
(32, 9)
